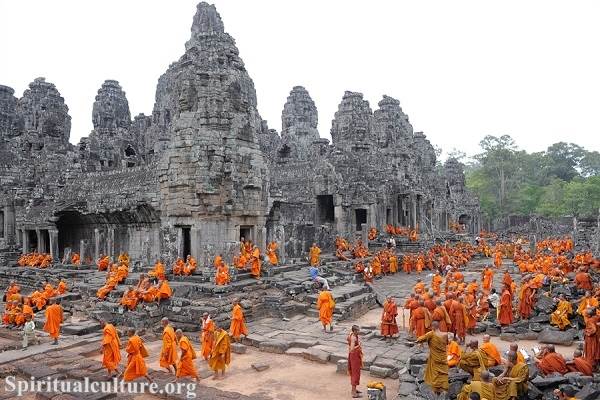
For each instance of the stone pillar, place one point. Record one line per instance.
(40, 244)
(25, 242)
(195, 243)
(53, 234)
(110, 240)
(413, 212)
(364, 234)
(96, 244)
(3, 223)
(82, 250)
(261, 236)
(179, 242)
(9, 225)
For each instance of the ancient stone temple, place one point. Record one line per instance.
(204, 169)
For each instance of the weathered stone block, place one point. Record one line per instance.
(379, 372)
(274, 346)
(317, 355)
(238, 348)
(342, 367)
(556, 337)
(259, 367)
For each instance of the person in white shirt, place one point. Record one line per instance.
(494, 299)
(29, 332)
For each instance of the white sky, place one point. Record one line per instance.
(461, 69)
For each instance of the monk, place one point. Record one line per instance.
(498, 259)
(26, 311)
(355, 360)
(580, 364)
(75, 259)
(314, 255)
(12, 289)
(54, 318)
(591, 346)
(560, 317)
(454, 351)
(103, 263)
(221, 353)
(164, 290)
(515, 348)
(485, 388)
(372, 234)
(222, 274)
(272, 253)
(326, 305)
(111, 348)
(149, 293)
(507, 280)
(436, 371)
(473, 361)
(587, 301)
(526, 300)
(185, 366)
(158, 271)
(487, 278)
(179, 266)
(583, 281)
(190, 266)
(436, 283)
(490, 349)
(420, 321)
(136, 352)
(62, 287)
(459, 320)
(419, 287)
(238, 326)
(441, 316)
(393, 263)
(256, 263)
(512, 382)
(505, 310)
(38, 300)
(550, 361)
(123, 259)
(130, 298)
(168, 352)
(49, 291)
(122, 272)
(207, 337)
(413, 236)
(389, 326)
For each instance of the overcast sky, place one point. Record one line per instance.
(461, 69)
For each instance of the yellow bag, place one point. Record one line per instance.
(375, 385)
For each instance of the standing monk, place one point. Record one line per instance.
(185, 366)
(459, 320)
(272, 253)
(436, 371)
(54, 317)
(505, 310)
(111, 348)
(314, 255)
(136, 352)
(487, 278)
(208, 335)
(256, 263)
(221, 353)
(591, 346)
(440, 315)
(326, 305)
(168, 353)
(420, 321)
(389, 327)
(355, 357)
(238, 326)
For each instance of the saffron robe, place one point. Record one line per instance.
(111, 348)
(436, 371)
(136, 366)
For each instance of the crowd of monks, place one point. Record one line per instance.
(177, 353)
(40, 260)
(411, 234)
(18, 307)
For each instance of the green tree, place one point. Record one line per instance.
(590, 164)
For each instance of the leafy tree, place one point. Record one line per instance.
(590, 164)
(563, 158)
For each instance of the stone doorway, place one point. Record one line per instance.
(186, 242)
(325, 209)
(361, 218)
(246, 232)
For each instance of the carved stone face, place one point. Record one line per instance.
(187, 96)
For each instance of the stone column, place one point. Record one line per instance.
(195, 244)
(110, 240)
(53, 234)
(9, 225)
(25, 242)
(96, 244)
(179, 242)
(82, 250)
(261, 236)
(40, 245)
(413, 212)
(364, 234)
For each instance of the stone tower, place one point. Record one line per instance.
(299, 120)
(352, 126)
(111, 109)
(214, 181)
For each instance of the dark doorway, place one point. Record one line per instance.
(246, 232)
(361, 218)
(45, 241)
(402, 210)
(325, 209)
(186, 242)
(418, 209)
(33, 241)
(1, 224)
(388, 216)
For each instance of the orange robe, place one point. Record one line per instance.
(222, 275)
(103, 263)
(238, 326)
(454, 353)
(130, 299)
(393, 264)
(493, 355)
(164, 290)
(591, 345)
(168, 352)
(505, 311)
(441, 315)
(190, 266)
(61, 288)
(488, 276)
(178, 267)
(122, 273)
(553, 362)
(207, 338)
(54, 317)
(271, 253)
(136, 366)
(221, 354)
(420, 321)
(158, 272)
(582, 365)
(459, 319)
(314, 258)
(256, 263)
(111, 348)
(185, 366)
(389, 326)
(326, 305)
(583, 281)
(75, 259)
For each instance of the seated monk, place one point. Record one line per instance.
(413, 236)
(158, 272)
(46, 261)
(190, 266)
(372, 234)
(164, 290)
(580, 364)
(493, 355)
(485, 388)
(588, 301)
(124, 259)
(130, 298)
(178, 267)
(38, 300)
(62, 287)
(10, 313)
(339, 253)
(49, 291)
(109, 285)
(256, 263)
(583, 280)
(240, 261)
(222, 274)
(150, 293)
(122, 272)
(26, 311)
(512, 383)
(103, 263)
(272, 253)
(75, 259)
(454, 352)
(13, 288)
(550, 361)
(560, 317)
